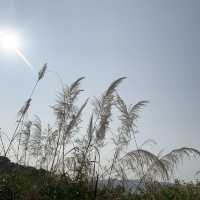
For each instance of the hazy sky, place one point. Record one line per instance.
(154, 43)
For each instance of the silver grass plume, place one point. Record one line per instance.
(26, 132)
(90, 130)
(65, 100)
(173, 159)
(25, 107)
(67, 114)
(41, 73)
(170, 162)
(36, 139)
(73, 121)
(74, 88)
(133, 158)
(127, 117)
(149, 142)
(103, 109)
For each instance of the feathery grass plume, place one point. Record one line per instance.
(74, 88)
(74, 121)
(149, 142)
(103, 108)
(25, 133)
(133, 158)
(90, 130)
(25, 107)
(67, 114)
(48, 146)
(84, 157)
(170, 161)
(65, 100)
(36, 139)
(173, 159)
(126, 119)
(128, 116)
(41, 73)
(137, 107)
(81, 164)
(22, 112)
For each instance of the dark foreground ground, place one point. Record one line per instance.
(27, 183)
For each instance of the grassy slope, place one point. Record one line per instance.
(27, 183)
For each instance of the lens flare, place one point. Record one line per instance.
(10, 41)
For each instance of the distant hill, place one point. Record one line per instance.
(8, 167)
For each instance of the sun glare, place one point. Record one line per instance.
(9, 40)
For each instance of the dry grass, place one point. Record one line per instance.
(68, 149)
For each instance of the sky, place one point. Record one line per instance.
(154, 43)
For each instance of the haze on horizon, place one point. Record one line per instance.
(154, 43)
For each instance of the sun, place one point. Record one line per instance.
(9, 40)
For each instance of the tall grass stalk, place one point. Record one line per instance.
(25, 108)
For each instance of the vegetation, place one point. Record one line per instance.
(71, 156)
